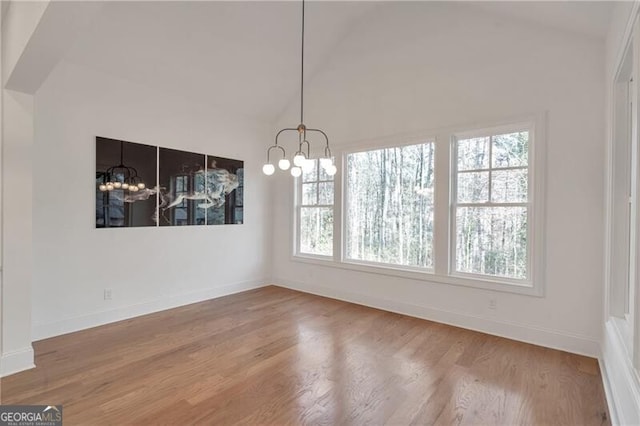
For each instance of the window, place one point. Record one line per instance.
(491, 205)
(180, 213)
(238, 206)
(315, 212)
(459, 207)
(187, 211)
(389, 195)
(111, 210)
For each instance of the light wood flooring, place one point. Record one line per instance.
(276, 356)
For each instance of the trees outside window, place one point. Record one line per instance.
(315, 212)
(389, 206)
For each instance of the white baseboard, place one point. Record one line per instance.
(16, 361)
(549, 338)
(620, 379)
(69, 325)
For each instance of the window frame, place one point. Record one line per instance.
(298, 184)
(441, 273)
(529, 204)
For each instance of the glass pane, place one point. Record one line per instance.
(181, 216)
(492, 241)
(309, 194)
(324, 175)
(473, 154)
(240, 189)
(473, 187)
(181, 184)
(511, 150)
(509, 186)
(325, 193)
(316, 230)
(390, 205)
(312, 174)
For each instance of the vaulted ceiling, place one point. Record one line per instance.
(244, 56)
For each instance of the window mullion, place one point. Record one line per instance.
(338, 208)
(443, 202)
(490, 168)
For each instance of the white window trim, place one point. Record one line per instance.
(441, 272)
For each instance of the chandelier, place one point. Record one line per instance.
(301, 158)
(121, 177)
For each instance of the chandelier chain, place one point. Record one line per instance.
(302, 71)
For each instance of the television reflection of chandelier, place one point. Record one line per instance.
(301, 160)
(121, 177)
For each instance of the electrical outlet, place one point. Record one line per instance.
(107, 294)
(493, 303)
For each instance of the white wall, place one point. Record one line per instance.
(19, 24)
(19, 21)
(147, 268)
(410, 67)
(17, 146)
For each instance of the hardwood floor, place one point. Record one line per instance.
(276, 356)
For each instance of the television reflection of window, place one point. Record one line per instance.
(188, 212)
(111, 210)
(199, 213)
(238, 210)
(180, 214)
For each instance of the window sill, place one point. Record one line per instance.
(427, 275)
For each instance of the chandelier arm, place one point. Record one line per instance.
(308, 148)
(112, 171)
(284, 130)
(284, 154)
(299, 151)
(135, 172)
(326, 138)
(327, 150)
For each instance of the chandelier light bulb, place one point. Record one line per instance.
(109, 186)
(284, 164)
(102, 187)
(298, 160)
(125, 185)
(326, 162)
(296, 171)
(141, 185)
(117, 185)
(268, 169)
(331, 170)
